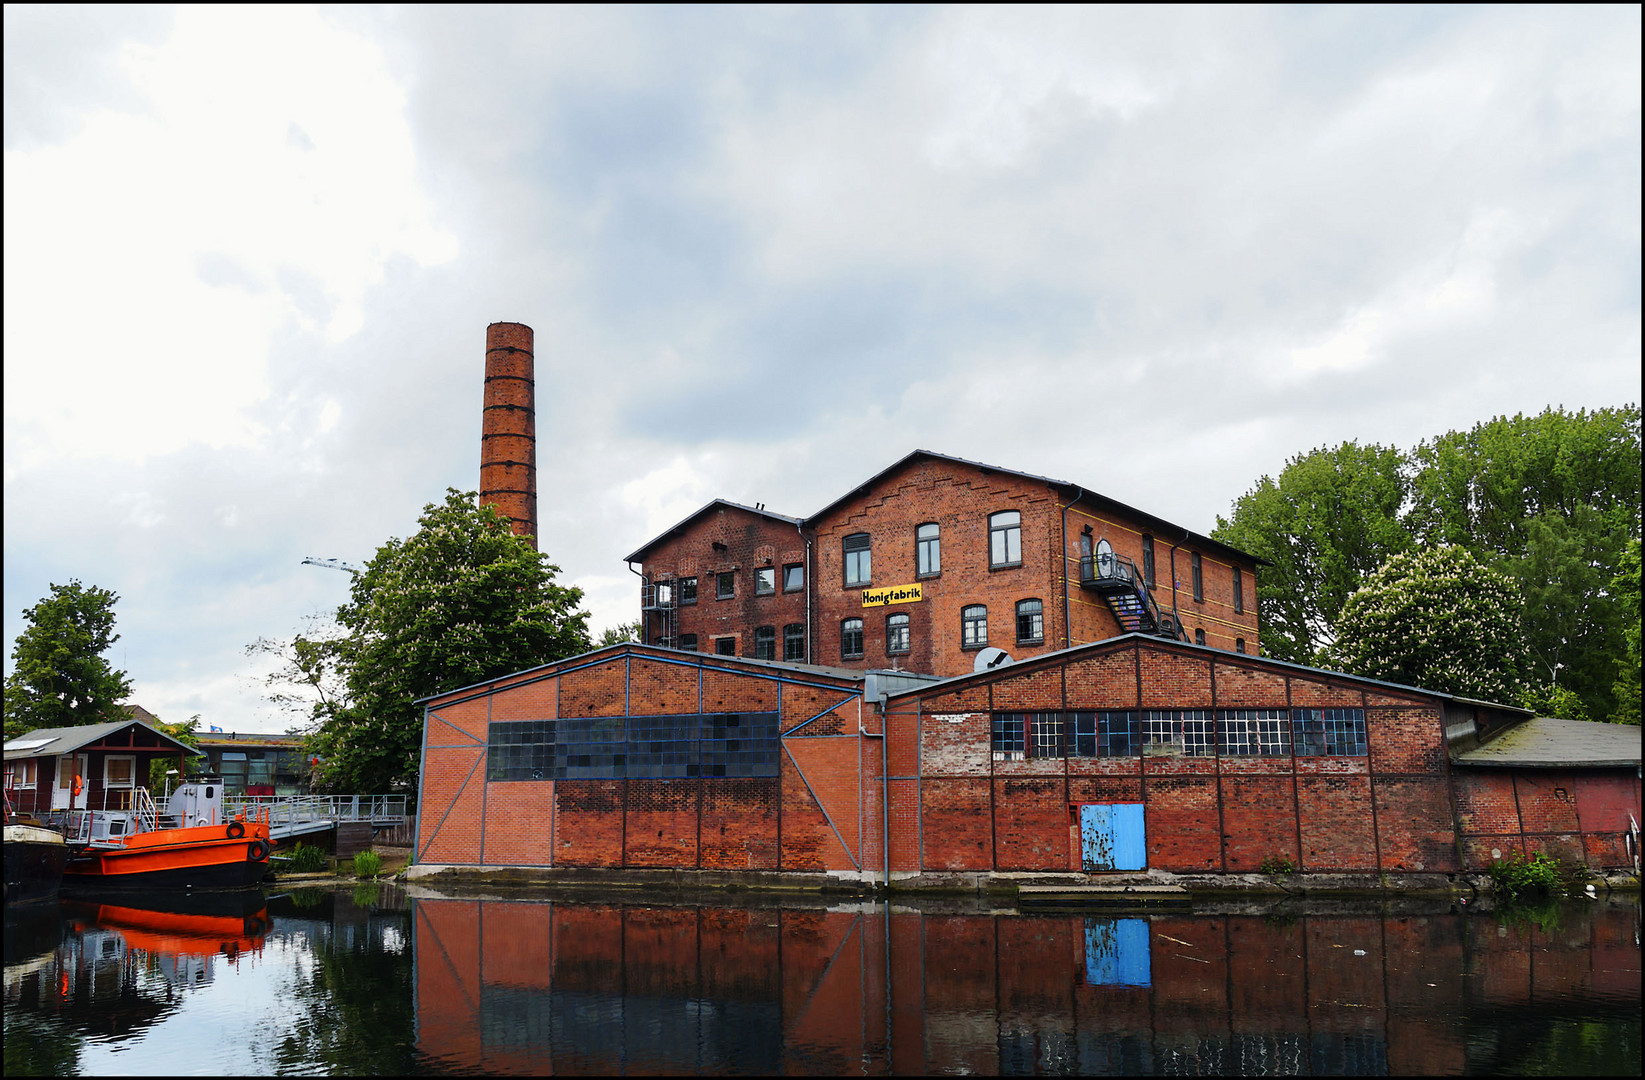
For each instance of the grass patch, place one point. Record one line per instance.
(1519, 878)
(306, 859)
(368, 864)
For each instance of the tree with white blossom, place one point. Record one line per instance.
(1435, 618)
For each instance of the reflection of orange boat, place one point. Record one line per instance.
(138, 850)
(178, 933)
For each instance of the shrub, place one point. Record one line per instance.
(306, 859)
(1539, 875)
(367, 864)
(1277, 864)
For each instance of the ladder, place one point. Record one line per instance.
(660, 597)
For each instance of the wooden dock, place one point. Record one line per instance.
(1104, 896)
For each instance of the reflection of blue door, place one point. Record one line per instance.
(1112, 837)
(1116, 952)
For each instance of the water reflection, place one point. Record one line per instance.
(586, 988)
(370, 983)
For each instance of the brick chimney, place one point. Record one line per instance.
(508, 428)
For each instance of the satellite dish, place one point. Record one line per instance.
(991, 658)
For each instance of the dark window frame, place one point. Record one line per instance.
(765, 643)
(1199, 635)
(688, 642)
(765, 573)
(927, 550)
(847, 634)
(723, 578)
(1035, 617)
(725, 646)
(968, 621)
(1239, 645)
(1007, 532)
(688, 590)
(789, 570)
(895, 629)
(1148, 560)
(1239, 591)
(794, 633)
(1329, 733)
(857, 557)
(1197, 564)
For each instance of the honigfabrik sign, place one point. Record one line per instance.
(891, 594)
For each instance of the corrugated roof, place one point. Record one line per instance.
(1547, 743)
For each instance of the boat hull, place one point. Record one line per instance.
(35, 859)
(198, 857)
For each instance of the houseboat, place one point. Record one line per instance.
(35, 856)
(87, 783)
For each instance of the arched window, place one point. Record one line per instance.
(1199, 637)
(1030, 622)
(896, 633)
(974, 626)
(851, 639)
(927, 549)
(1005, 538)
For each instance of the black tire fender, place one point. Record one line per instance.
(256, 851)
(236, 830)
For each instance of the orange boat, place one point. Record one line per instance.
(163, 930)
(139, 850)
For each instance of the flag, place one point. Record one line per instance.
(218, 730)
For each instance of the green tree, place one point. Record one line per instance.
(1331, 519)
(60, 678)
(616, 635)
(1625, 586)
(461, 601)
(1551, 500)
(184, 731)
(1436, 618)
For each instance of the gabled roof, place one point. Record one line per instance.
(50, 742)
(1220, 655)
(1168, 530)
(679, 527)
(1548, 743)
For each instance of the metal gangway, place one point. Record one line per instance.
(291, 816)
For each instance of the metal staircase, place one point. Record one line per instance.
(1115, 579)
(660, 611)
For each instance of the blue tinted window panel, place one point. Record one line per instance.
(1116, 953)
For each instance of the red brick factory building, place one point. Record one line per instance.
(958, 675)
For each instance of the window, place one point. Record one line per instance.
(1005, 539)
(859, 565)
(1199, 637)
(1106, 734)
(636, 747)
(896, 633)
(688, 590)
(1239, 592)
(793, 577)
(1148, 559)
(1010, 736)
(665, 593)
(927, 550)
(1239, 644)
(725, 585)
(765, 643)
(851, 639)
(794, 642)
(23, 774)
(725, 646)
(1328, 732)
(1199, 576)
(1184, 732)
(1030, 622)
(974, 626)
(1254, 732)
(688, 642)
(765, 581)
(119, 771)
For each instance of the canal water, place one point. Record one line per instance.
(376, 983)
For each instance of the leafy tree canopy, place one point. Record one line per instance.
(461, 601)
(1332, 518)
(1625, 586)
(60, 678)
(1436, 618)
(616, 635)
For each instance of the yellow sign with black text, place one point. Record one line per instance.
(892, 594)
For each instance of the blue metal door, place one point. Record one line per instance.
(1112, 837)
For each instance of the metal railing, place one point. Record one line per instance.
(1108, 567)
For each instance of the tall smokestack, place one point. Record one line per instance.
(508, 428)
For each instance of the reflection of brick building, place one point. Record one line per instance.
(932, 560)
(1126, 754)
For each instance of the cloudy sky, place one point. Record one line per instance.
(250, 256)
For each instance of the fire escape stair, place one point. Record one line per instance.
(1116, 580)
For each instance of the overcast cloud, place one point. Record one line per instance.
(250, 255)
